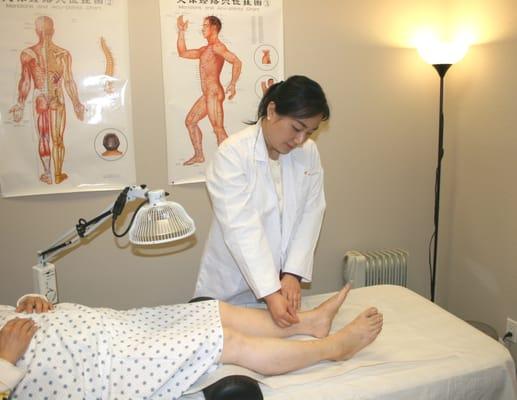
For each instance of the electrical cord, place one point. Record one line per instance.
(507, 337)
(120, 203)
(119, 235)
(430, 256)
(433, 236)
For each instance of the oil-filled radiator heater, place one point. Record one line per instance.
(376, 267)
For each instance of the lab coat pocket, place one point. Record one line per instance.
(311, 172)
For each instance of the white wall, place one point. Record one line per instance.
(482, 269)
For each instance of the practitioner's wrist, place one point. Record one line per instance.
(271, 297)
(299, 278)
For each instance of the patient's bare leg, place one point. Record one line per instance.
(273, 356)
(258, 322)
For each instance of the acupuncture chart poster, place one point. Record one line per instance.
(219, 57)
(64, 97)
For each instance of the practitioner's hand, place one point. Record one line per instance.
(231, 91)
(182, 25)
(17, 111)
(79, 111)
(281, 311)
(15, 337)
(291, 290)
(30, 304)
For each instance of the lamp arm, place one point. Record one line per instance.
(83, 228)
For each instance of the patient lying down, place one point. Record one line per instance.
(159, 352)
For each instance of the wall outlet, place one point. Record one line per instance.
(44, 281)
(511, 326)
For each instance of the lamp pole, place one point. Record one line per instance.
(442, 70)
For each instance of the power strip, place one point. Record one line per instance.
(44, 281)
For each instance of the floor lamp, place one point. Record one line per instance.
(441, 56)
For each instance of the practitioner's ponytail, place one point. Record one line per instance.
(297, 97)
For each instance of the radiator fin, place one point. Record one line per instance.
(376, 267)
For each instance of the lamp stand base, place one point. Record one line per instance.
(44, 281)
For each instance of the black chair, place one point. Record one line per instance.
(233, 387)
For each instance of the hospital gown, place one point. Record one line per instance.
(100, 353)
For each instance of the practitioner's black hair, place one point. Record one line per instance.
(297, 97)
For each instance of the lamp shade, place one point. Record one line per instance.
(160, 221)
(435, 52)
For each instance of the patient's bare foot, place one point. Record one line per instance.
(320, 318)
(356, 335)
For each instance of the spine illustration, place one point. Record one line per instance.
(110, 66)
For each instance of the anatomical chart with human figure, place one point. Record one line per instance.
(218, 60)
(64, 79)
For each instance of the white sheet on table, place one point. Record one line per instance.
(423, 352)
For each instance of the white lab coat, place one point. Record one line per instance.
(250, 242)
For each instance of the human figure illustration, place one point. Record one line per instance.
(111, 143)
(211, 60)
(48, 67)
(265, 85)
(266, 57)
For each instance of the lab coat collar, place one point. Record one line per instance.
(260, 145)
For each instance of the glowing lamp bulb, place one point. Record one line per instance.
(435, 52)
